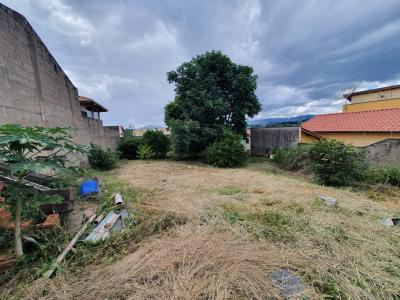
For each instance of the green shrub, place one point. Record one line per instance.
(129, 146)
(145, 152)
(292, 159)
(227, 152)
(335, 163)
(158, 141)
(388, 175)
(103, 159)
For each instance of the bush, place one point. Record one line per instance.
(388, 175)
(145, 152)
(335, 163)
(227, 152)
(103, 159)
(292, 159)
(158, 141)
(128, 147)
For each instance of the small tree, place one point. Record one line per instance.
(32, 149)
(146, 152)
(103, 159)
(128, 147)
(158, 141)
(335, 163)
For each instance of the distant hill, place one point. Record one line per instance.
(279, 121)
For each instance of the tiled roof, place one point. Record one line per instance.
(382, 120)
(91, 104)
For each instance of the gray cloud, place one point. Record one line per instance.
(304, 52)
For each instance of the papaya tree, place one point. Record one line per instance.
(32, 149)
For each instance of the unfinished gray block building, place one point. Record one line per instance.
(34, 89)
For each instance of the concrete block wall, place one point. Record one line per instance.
(385, 152)
(34, 90)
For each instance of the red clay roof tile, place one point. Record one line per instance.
(375, 120)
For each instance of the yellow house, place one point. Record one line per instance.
(371, 120)
(382, 98)
(370, 117)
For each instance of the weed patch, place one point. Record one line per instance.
(229, 190)
(265, 223)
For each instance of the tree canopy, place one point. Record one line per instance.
(212, 93)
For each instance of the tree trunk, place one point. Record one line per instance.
(17, 233)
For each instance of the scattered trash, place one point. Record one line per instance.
(118, 199)
(103, 230)
(390, 222)
(112, 222)
(330, 201)
(69, 247)
(7, 223)
(89, 188)
(120, 222)
(98, 219)
(38, 182)
(68, 194)
(31, 240)
(7, 262)
(288, 282)
(52, 221)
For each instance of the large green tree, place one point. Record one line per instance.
(212, 93)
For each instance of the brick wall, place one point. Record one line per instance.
(34, 90)
(384, 152)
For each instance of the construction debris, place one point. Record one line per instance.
(288, 283)
(118, 199)
(89, 188)
(7, 222)
(31, 240)
(103, 230)
(390, 222)
(98, 219)
(330, 201)
(120, 222)
(7, 262)
(69, 247)
(52, 221)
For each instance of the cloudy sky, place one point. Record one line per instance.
(304, 52)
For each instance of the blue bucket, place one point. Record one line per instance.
(89, 187)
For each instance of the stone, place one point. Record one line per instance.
(390, 222)
(288, 282)
(330, 201)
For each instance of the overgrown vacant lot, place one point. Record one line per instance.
(224, 231)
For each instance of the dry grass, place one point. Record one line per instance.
(189, 265)
(242, 225)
